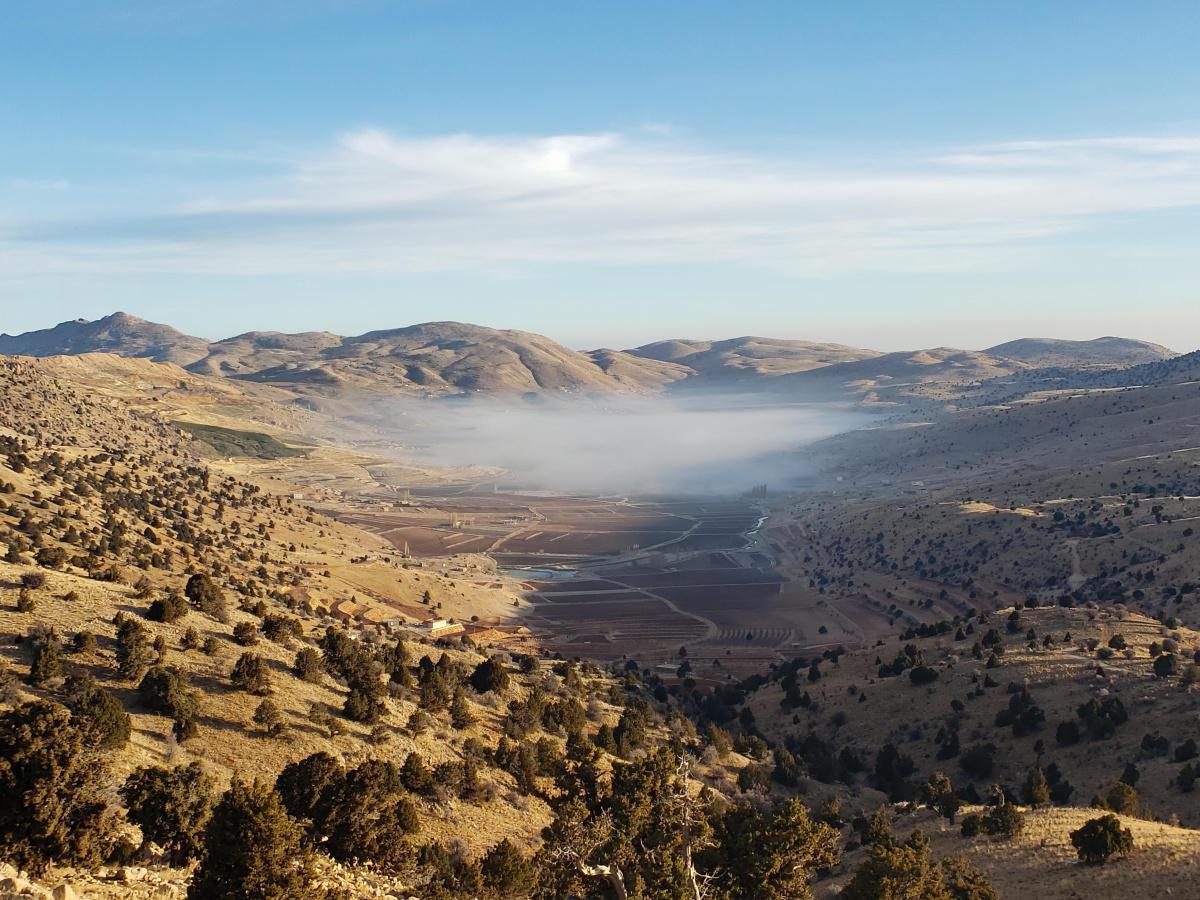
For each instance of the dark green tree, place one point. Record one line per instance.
(103, 714)
(1166, 665)
(301, 785)
(490, 675)
(364, 702)
(506, 873)
(1100, 838)
(245, 633)
(167, 690)
(359, 814)
(252, 850)
(250, 674)
(171, 806)
(269, 717)
(1123, 798)
(170, 607)
(938, 793)
(134, 654)
(770, 854)
(898, 872)
(965, 882)
(25, 600)
(460, 710)
(52, 808)
(308, 665)
(367, 815)
(207, 597)
(47, 659)
(1035, 791)
(1004, 820)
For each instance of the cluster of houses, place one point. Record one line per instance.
(351, 612)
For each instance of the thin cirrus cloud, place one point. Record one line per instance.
(377, 201)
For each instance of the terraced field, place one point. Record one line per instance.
(640, 577)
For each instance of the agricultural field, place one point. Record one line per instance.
(636, 578)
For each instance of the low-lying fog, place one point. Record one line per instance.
(706, 445)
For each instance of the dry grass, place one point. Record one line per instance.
(1059, 680)
(1042, 864)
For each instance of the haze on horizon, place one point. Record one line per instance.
(705, 444)
(870, 175)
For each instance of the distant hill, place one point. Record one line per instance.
(442, 358)
(436, 358)
(433, 358)
(749, 357)
(119, 333)
(638, 372)
(1011, 369)
(1175, 370)
(1016, 385)
(1105, 351)
(256, 351)
(894, 376)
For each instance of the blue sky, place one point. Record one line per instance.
(881, 174)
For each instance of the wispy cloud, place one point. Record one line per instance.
(40, 184)
(377, 201)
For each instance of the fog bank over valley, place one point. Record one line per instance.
(699, 445)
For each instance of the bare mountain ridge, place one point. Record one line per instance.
(436, 357)
(255, 351)
(893, 376)
(118, 333)
(931, 374)
(1102, 351)
(440, 358)
(432, 358)
(750, 357)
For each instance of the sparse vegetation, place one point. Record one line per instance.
(1101, 838)
(654, 773)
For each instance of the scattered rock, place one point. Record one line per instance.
(15, 884)
(131, 875)
(151, 852)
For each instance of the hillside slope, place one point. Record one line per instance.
(1039, 431)
(1177, 370)
(854, 705)
(1040, 862)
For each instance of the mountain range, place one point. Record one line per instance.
(446, 358)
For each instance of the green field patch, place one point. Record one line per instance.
(228, 442)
